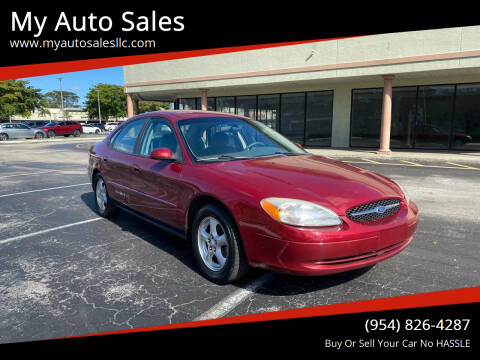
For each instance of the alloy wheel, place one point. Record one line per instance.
(212, 243)
(101, 195)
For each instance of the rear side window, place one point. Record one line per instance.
(125, 140)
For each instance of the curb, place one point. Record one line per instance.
(435, 156)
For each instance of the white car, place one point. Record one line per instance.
(91, 129)
(109, 126)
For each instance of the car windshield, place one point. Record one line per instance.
(52, 123)
(227, 138)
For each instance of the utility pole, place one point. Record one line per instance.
(61, 97)
(99, 113)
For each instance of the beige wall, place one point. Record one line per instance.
(441, 56)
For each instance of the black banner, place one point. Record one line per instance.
(82, 31)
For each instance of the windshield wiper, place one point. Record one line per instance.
(286, 153)
(224, 157)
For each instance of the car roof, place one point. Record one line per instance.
(176, 115)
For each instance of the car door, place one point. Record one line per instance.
(119, 160)
(26, 131)
(160, 192)
(17, 131)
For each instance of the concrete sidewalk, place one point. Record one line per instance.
(419, 155)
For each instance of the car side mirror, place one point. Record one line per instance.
(162, 154)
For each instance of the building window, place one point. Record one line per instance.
(187, 104)
(226, 104)
(246, 106)
(423, 117)
(293, 116)
(404, 100)
(210, 104)
(269, 110)
(319, 112)
(366, 117)
(466, 130)
(434, 116)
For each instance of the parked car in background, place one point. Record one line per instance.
(34, 124)
(91, 129)
(19, 131)
(109, 126)
(101, 126)
(65, 128)
(245, 196)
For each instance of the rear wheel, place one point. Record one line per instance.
(76, 133)
(217, 245)
(38, 135)
(3, 137)
(104, 205)
(51, 134)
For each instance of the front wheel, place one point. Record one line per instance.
(104, 205)
(38, 135)
(217, 245)
(3, 137)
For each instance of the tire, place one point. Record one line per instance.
(51, 134)
(219, 253)
(103, 203)
(97, 132)
(76, 133)
(38, 135)
(3, 137)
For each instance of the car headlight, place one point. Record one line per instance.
(405, 195)
(299, 212)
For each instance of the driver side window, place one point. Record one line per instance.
(159, 134)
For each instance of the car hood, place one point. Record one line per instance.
(327, 182)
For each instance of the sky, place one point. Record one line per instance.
(78, 82)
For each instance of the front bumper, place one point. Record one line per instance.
(311, 252)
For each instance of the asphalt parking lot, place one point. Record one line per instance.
(64, 271)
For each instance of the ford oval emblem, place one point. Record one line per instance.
(381, 209)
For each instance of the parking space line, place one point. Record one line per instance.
(372, 161)
(411, 163)
(236, 298)
(47, 189)
(25, 174)
(20, 237)
(463, 166)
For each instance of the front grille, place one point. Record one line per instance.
(375, 210)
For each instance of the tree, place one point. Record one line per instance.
(148, 106)
(113, 101)
(54, 99)
(17, 97)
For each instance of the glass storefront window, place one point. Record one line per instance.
(187, 104)
(366, 117)
(246, 106)
(225, 104)
(269, 110)
(404, 100)
(210, 104)
(466, 128)
(319, 118)
(292, 120)
(434, 116)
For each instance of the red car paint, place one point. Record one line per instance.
(63, 128)
(164, 190)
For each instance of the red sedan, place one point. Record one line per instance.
(245, 196)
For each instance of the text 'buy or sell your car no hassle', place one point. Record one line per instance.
(245, 196)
